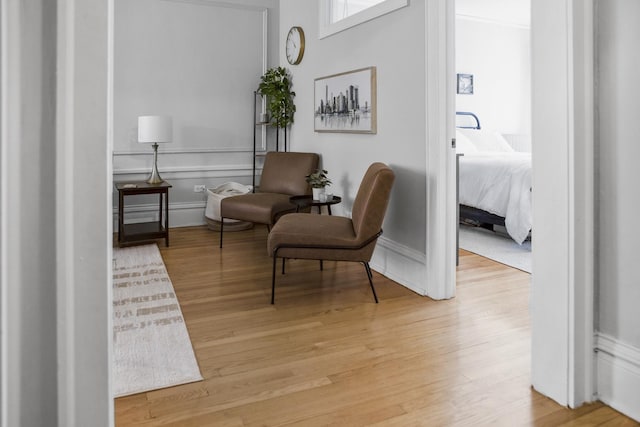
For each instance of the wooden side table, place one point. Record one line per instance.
(143, 231)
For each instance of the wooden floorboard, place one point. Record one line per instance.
(326, 354)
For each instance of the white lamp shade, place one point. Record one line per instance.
(155, 129)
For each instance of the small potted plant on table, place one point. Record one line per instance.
(318, 180)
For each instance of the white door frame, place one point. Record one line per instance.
(440, 107)
(562, 289)
(83, 213)
(80, 346)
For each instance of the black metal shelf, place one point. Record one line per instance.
(258, 124)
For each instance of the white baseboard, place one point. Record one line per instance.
(618, 375)
(400, 264)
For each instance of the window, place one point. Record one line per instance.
(341, 9)
(338, 15)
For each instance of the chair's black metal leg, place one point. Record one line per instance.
(370, 276)
(273, 279)
(321, 265)
(221, 228)
(283, 265)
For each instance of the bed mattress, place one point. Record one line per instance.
(499, 183)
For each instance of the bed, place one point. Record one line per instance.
(494, 181)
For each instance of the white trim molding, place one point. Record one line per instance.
(440, 275)
(181, 214)
(400, 264)
(11, 296)
(185, 151)
(562, 285)
(485, 20)
(618, 374)
(326, 27)
(191, 172)
(83, 228)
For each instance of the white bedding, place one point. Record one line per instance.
(500, 183)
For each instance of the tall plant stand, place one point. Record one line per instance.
(260, 125)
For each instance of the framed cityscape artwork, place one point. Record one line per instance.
(346, 102)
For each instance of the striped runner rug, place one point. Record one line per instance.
(151, 345)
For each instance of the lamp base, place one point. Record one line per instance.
(154, 178)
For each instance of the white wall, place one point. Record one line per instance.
(499, 57)
(29, 362)
(199, 62)
(55, 224)
(395, 45)
(618, 321)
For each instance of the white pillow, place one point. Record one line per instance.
(487, 140)
(463, 144)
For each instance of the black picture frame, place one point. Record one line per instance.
(465, 84)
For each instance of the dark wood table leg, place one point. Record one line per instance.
(166, 216)
(120, 217)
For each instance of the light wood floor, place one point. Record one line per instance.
(326, 354)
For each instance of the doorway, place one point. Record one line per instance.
(562, 290)
(493, 129)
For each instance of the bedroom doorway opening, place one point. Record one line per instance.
(493, 129)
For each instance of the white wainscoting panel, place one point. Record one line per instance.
(180, 214)
(618, 376)
(186, 207)
(198, 61)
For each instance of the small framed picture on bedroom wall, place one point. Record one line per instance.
(465, 84)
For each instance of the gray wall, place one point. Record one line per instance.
(618, 173)
(618, 203)
(199, 62)
(499, 57)
(395, 44)
(171, 66)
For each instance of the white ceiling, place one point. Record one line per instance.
(515, 12)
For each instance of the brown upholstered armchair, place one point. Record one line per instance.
(325, 237)
(283, 176)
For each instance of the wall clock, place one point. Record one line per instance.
(295, 45)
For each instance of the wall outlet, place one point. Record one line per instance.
(200, 188)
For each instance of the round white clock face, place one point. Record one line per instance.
(295, 45)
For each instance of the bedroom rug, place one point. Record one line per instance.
(151, 345)
(496, 246)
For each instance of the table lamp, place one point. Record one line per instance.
(154, 129)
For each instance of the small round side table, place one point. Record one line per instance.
(306, 201)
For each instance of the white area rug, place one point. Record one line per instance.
(151, 345)
(496, 246)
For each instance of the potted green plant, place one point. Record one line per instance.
(318, 180)
(275, 85)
